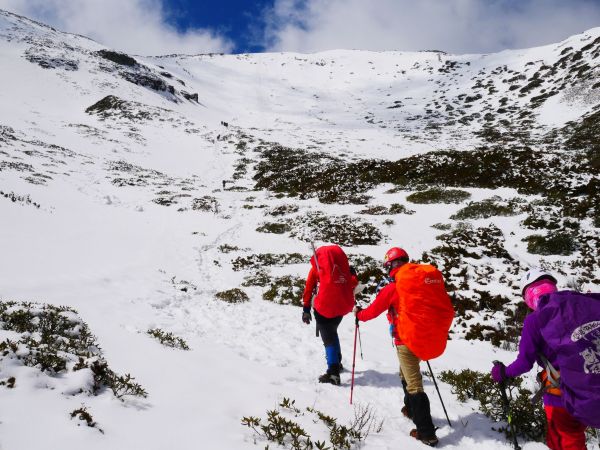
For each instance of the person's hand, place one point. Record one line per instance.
(499, 372)
(306, 317)
(356, 309)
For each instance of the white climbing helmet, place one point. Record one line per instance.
(534, 275)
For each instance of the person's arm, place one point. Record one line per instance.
(529, 346)
(311, 284)
(379, 305)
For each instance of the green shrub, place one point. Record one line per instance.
(9, 383)
(168, 339)
(283, 210)
(257, 278)
(118, 58)
(487, 208)
(234, 295)
(55, 337)
(286, 290)
(554, 243)
(442, 226)
(83, 415)
(226, 248)
(267, 259)
(288, 433)
(274, 227)
(397, 208)
(529, 420)
(375, 211)
(438, 195)
(343, 230)
(206, 203)
(120, 385)
(310, 174)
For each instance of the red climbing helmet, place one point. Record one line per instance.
(393, 254)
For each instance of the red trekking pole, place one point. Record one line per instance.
(353, 360)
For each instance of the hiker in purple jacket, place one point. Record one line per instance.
(563, 430)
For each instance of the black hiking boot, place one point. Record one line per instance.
(421, 416)
(406, 410)
(431, 441)
(332, 375)
(330, 378)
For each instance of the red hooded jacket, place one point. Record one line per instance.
(335, 294)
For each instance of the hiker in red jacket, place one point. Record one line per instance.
(332, 279)
(416, 402)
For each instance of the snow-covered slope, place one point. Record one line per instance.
(134, 189)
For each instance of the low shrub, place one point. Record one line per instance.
(490, 207)
(206, 203)
(344, 230)
(234, 295)
(117, 57)
(397, 208)
(289, 433)
(528, 420)
(267, 259)
(226, 248)
(438, 195)
(257, 278)
(554, 243)
(84, 415)
(274, 228)
(283, 210)
(286, 290)
(168, 339)
(55, 340)
(9, 382)
(375, 210)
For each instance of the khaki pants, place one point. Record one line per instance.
(410, 370)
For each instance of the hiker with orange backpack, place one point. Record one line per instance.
(331, 277)
(420, 314)
(561, 334)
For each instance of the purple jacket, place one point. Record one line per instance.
(530, 345)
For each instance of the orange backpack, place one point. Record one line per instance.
(424, 308)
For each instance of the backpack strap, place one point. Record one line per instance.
(549, 379)
(553, 375)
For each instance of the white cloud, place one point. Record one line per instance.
(134, 26)
(458, 26)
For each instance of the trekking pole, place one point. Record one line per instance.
(506, 407)
(359, 339)
(439, 395)
(353, 360)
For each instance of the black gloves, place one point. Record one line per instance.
(306, 317)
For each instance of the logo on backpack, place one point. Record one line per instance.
(590, 332)
(337, 276)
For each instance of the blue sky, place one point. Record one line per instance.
(238, 20)
(153, 27)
